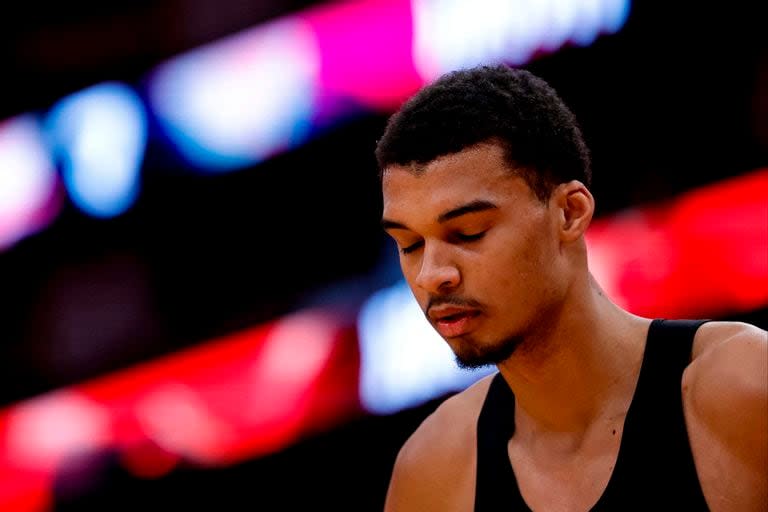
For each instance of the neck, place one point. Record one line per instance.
(581, 368)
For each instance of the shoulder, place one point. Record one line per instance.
(725, 392)
(726, 384)
(435, 468)
(729, 368)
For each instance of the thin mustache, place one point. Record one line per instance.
(451, 300)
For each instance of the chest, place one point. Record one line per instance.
(562, 478)
(558, 481)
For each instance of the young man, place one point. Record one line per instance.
(485, 178)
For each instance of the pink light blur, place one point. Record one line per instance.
(366, 51)
(238, 397)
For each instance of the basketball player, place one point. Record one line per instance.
(486, 188)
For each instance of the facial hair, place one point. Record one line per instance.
(471, 355)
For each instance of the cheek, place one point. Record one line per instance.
(409, 268)
(546, 277)
(410, 271)
(520, 265)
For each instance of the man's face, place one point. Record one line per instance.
(477, 248)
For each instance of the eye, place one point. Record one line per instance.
(469, 238)
(411, 248)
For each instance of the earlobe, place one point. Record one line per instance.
(577, 207)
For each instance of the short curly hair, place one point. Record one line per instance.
(540, 136)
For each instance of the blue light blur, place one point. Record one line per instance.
(99, 134)
(241, 100)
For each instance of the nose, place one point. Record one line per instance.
(438, 273)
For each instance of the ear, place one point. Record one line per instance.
(576, 207)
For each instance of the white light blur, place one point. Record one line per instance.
(587, 17)
(404, 362)
(561, 23)
(27, 180)
(236, 102)
(100, 134)
(455, 34)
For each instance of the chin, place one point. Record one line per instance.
(471, 354)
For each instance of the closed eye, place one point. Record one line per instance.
(411, 248)
(460, 237)
(469, 238)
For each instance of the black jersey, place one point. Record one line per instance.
(654, 469)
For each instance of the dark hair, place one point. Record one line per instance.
(541, 139)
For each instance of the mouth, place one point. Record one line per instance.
(456, 324)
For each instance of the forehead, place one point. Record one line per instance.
(476, 173)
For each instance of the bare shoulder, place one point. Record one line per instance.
(729, 366)
(712, 335)
(725, 392)
(435, 468)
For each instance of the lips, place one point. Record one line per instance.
(453, 321)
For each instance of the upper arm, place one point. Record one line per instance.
(409, 485)
(727, 388)
(430, 471)
(435, 468)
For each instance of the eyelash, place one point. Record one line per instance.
(459, 236)
(410, 248)
(470, 238)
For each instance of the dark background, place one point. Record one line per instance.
(677, 99)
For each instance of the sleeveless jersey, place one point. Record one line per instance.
(654, 469)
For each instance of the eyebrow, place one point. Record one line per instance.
(478, 205)
(471, 207)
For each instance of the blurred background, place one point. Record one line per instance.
(198, 306)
